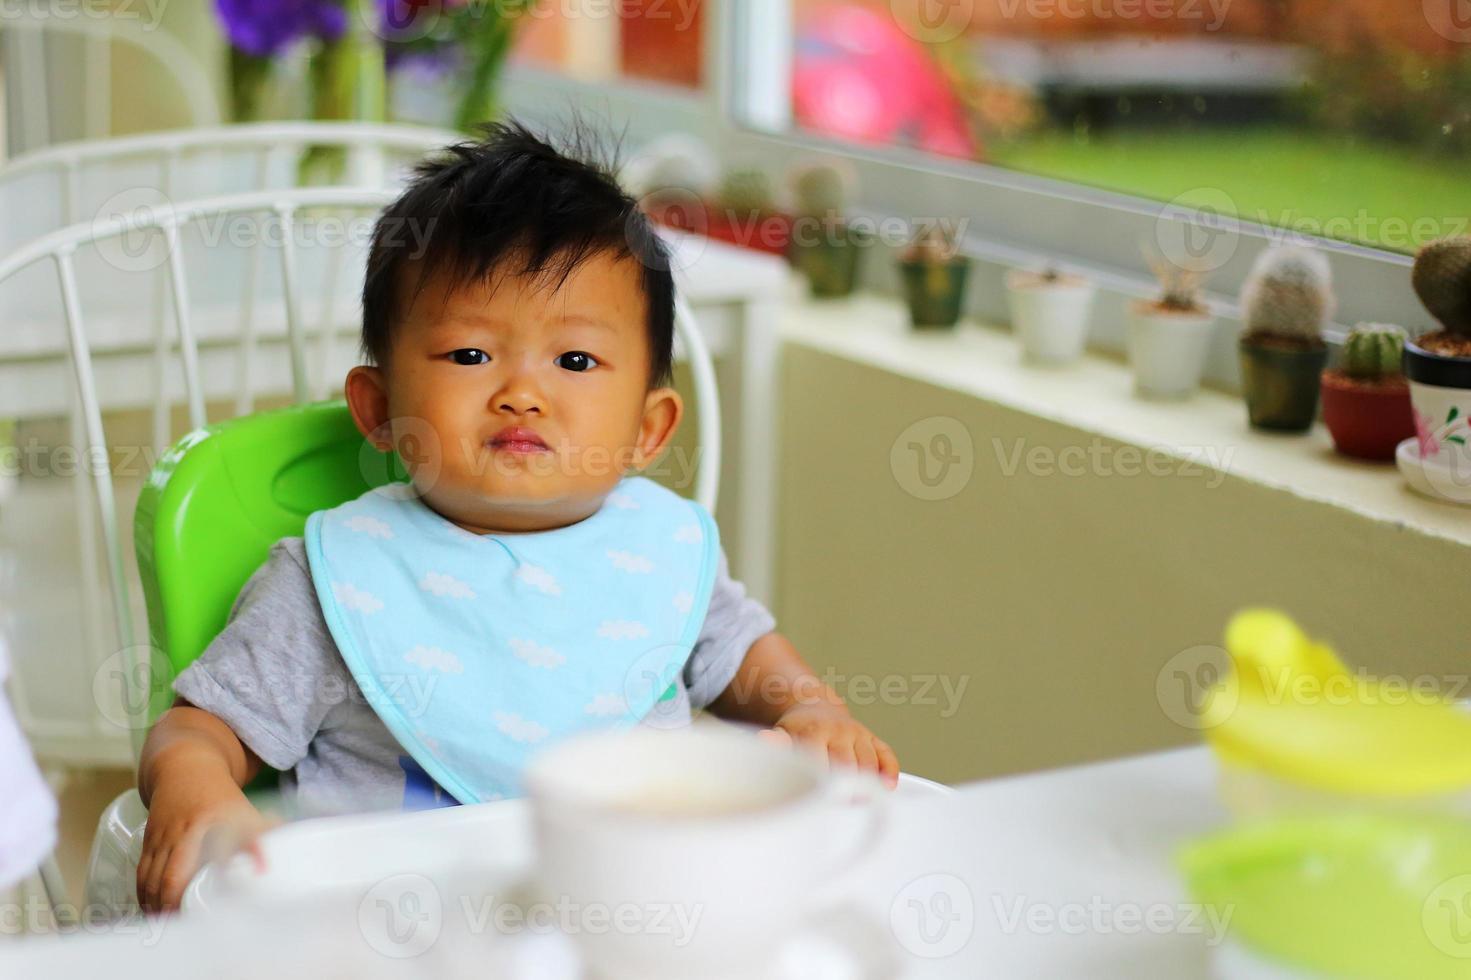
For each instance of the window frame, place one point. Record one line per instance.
(1015, 218)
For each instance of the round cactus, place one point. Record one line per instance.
(821, 189)
(1289, 294)
(1442, 280)
(746, 192)
(1373, 350)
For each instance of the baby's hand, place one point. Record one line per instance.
(831, 730)
(189, 826)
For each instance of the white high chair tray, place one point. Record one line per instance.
(956, 889)
(342, 856)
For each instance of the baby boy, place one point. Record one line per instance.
(417, 644)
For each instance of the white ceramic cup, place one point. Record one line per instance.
(692, 853)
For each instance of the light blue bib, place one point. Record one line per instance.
(479, 650)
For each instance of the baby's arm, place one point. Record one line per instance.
(190, 777)
(775, 687)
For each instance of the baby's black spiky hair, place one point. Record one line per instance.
(514, 203)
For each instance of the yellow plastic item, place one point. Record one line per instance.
(1292, 710)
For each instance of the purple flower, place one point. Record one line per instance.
(410, 21)
(424, 64)
(265, 28)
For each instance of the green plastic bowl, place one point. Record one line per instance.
(1363, 896)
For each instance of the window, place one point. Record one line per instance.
(1345, 119)
(648, 40)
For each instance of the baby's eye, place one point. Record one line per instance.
(469, 356)
(576, 360)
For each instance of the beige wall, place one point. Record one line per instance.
(145, 98)
(1058, 599)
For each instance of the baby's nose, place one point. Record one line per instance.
(520, 405)
(519, 399)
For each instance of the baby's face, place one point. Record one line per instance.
(520, 407)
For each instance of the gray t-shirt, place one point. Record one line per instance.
(275, 676)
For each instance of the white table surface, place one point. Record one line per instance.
(1083, 854)
(1062, 849)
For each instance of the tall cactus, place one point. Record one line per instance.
(1373, 351)
(1288, 295)
(935, 244)
(1442, 280)
(1179, 286)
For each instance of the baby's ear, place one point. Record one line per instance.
(367, 399)
(663, 408)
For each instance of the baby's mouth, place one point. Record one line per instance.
(518, 439)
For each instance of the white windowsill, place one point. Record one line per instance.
(1096, 396)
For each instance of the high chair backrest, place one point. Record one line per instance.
(218, 500)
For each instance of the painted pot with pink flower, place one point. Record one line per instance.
(1438, 368)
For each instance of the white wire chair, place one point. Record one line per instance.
(34, 38)
(71, 182)
(206, 354)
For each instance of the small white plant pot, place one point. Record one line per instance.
(1168, 349)
(1050, 318)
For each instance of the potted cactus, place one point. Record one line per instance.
(745, 213)
(1438, 364)
(1286, 300)
(1049, 313)
(823, 247)
(1169, 337)
(1366, 402)
(934, 274)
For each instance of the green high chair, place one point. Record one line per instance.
(206, 519)
(219, 499)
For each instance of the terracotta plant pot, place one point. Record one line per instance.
(1281, 385)
(769, 232)
(1168, 348)
(1367, 419)
(936, 292)
(829, 261)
